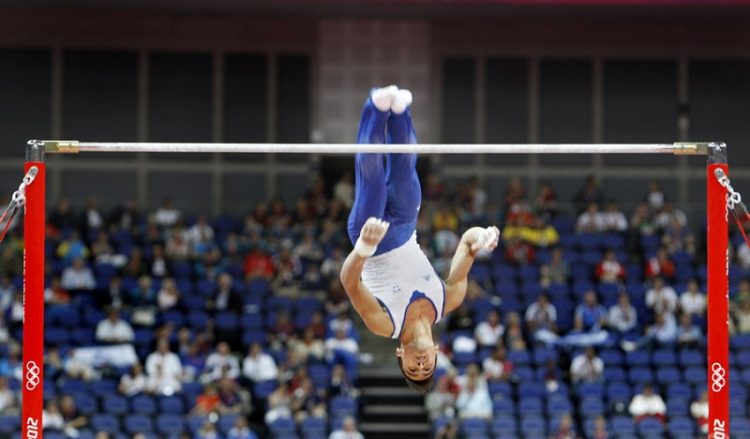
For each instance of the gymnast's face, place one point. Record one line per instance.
(418, 358)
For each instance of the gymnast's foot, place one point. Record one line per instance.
(401, 102)
(383, 98)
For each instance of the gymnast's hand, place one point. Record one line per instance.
(370, 236)
(487, 240)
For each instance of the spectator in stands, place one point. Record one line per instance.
(741, 314)
(609, 269)
(670, 216)
(221, 364)
(200, 237)
(62, 216)
(348, 430)
(648, 404)
(73, 420)
(258, 365)
(207, 402)
(309, 348)
(342, 349)
(134, 381)
(143, 302)
(692, 300)
(77, 368)
(743, 257)
(448, 431)
(167, 215)
(546, 203)
(91, 218)
(14, 312)
(113, 329)
(514, 338)
(307, 401)
(519, 252)
(655, 197)
(232, 400)
(641, 224)
(258, 263)
(497, 367)
(52, 419)
(662, 333)
(340, 384)
(168, 296)
(78, 276)
(622, 317)
(556, 271)
(586, 367)
(660, 265)
(279, 403)
(177, 248)
(72, 248)
(699, 411)
(226, 298)
(591, 220)
(590, 315)
(164, 369)
(474, 400)
(103, 252)
(551, 376)
(541, 314)
(55, 294)
(8, 402)
(135, 267)
(158, 262)
(689, 335)
(676, 237)
(540, 234)
(207, 431)
(441, 401)
(241, 430)
(565, 428)
(489, 331)
(661, 297)
(613, 220)
(589, 193)
(600, 428)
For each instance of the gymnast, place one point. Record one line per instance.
(389, 280)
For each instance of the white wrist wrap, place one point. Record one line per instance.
(363, 249)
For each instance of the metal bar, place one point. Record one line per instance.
(33, 296)
(717, 349)
(72, 146)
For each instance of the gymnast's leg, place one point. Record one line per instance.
(404, 191)
(370, 189)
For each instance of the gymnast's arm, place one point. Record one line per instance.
(366, 305)
(455, 284)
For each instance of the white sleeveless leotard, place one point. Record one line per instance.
(401, 276)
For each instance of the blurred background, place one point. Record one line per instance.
(168, 255)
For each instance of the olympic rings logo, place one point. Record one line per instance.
(32, 375)
(718, 377)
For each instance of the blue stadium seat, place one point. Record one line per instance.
(622, 425)
(668, 375)
(533, 427)
(82, 337)
(342, 406)
(264, 388)
(86, 403)
(640, 375)
(637, 359)
(171, 405)
(677, 406)
(558, 405)
(198, 320)
(532, 389)
(503, 406)
(542, 355)
(499, 388)
(590, 389)
(313, 426)
(170, 424)
(194, 423)
(695, 375)
(9, 423)
(650, 426)
(692, 357)
(226, 422)
(282, 426)
(143, 404)
(519, 358)
(105, 422)
(504, 426)
(619, 391)
(611, 358)
(474, 427)
(138, 424)
(558, 291)
(56, 336)
(254, 336)
(227, 321)
(680, 390)
(530, 405)
(174, 316)
(591, 406)
(115, 405)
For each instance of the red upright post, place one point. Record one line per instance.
(33, 296)
(718, 295)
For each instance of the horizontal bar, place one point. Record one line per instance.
(72, 146)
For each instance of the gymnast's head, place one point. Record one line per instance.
(417, 360)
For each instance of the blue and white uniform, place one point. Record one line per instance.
(387, 187)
